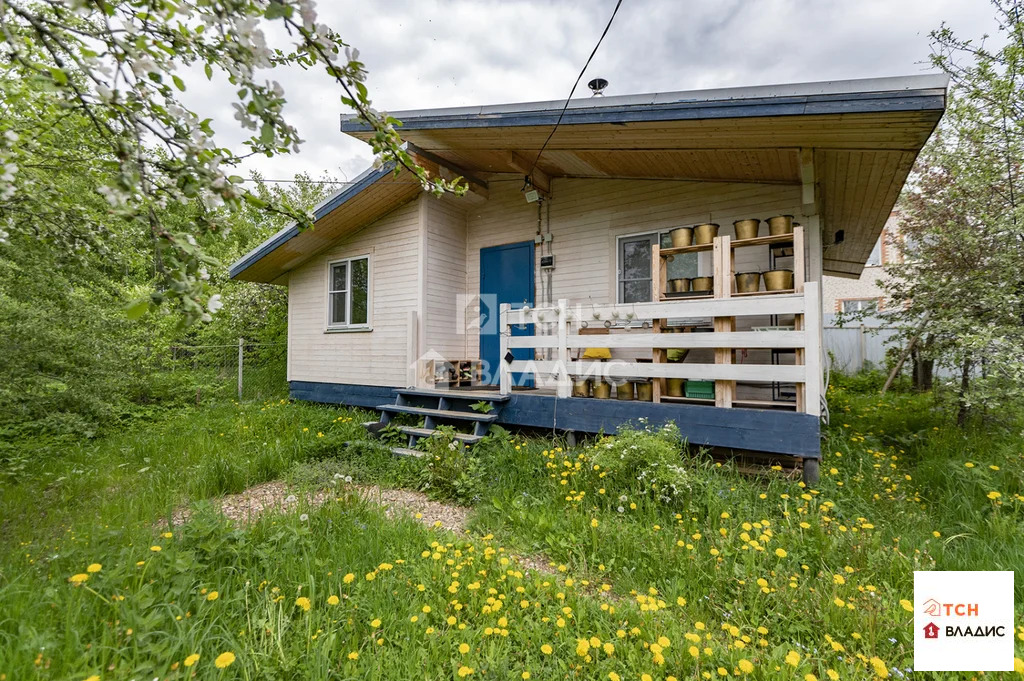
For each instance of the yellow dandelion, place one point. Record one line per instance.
(793, 658)
(463, 648)
(94, 568)
(612, 676)
(465, 671)
(781, 553)
(303, 603)
(333, 600)
(224, 660)
(907, 605)
(78, 579)
(375, 623)
(546, 649)
(354, 655)
(994, 495)
(156, 549)
(593, 522)
(191, 659)
(212, 596)
(348, 578)
(746, 666)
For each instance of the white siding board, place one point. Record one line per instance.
(376, 357)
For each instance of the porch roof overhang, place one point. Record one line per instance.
(854, 140)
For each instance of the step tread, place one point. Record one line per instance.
(476, 395)
(439, 413)
(427, 432)
(405, 451)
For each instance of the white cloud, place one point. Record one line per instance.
(434, 53)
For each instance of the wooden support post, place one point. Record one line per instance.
(659, 285)
(812, 343)
(504, 376)
(725, 391)
(413, 370)
(562, 360)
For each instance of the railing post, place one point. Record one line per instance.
(812, 353)
(504, 376)
(241, 346)
(562, 352)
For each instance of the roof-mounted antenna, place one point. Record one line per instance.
(597, 86)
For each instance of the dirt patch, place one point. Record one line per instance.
(277, 496)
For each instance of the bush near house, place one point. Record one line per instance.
(605, 561)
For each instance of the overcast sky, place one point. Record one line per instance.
(435, 53)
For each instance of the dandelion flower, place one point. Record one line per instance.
(94, 677)
(375, 623)
(781, 553)
(191, 659)
(212, 596)
(78, 579)
(463, 648)
(333, 600)
(746, 666)
(303, 603)
(525, 675)
(156, 549)
(224, 660)
(348, 578)
(907, 605)
(994, 495)
(167, 535)
(95, 567)
(354, 655)
(546, 649)
(612, 676)
(793, 658)
(465, 671)
(593, 522)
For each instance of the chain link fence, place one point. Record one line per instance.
(243, 370)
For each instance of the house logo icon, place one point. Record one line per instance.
(932, 607)
(931, 630)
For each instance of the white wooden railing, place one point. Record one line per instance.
(553, 331)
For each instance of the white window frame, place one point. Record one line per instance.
(843, 301)
(332, 326)
(658, 233)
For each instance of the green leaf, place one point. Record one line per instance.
(254, 200)
(178, 83)
(135, 309)
(58, 76)
(267, 134)
(209, 72)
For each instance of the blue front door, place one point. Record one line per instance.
(506, 276)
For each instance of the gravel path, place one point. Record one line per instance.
(249, 505)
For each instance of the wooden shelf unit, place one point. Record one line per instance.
(723, 270)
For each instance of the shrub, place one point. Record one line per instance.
(451, 471)
(646, 461)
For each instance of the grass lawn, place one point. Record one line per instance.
(658, 569)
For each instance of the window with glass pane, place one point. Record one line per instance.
(860, 305)
(349, 292)
(635, 266)
(875, 259)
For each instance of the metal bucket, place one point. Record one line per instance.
(780, 224)
(778, 280)
(624, 391)
(748, 282)
(581, 388)
(706, 233)
(674, 387)
(681, 236)
(702, 283)
(602, 389)
(678, 285)
(746, 229)
(645, 391)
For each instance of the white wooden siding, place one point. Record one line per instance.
(376, 357)
(445, 285)
(587, 216)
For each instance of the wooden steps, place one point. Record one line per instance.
(439, 407)
(439, 413)
(428, 432)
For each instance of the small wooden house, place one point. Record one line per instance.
(555, 281)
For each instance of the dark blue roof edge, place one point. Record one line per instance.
(847, 103)
(362, 181)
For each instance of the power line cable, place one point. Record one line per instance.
(573, 90)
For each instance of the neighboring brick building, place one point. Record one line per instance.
(840, 294)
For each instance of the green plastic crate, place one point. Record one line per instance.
(700, 389)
